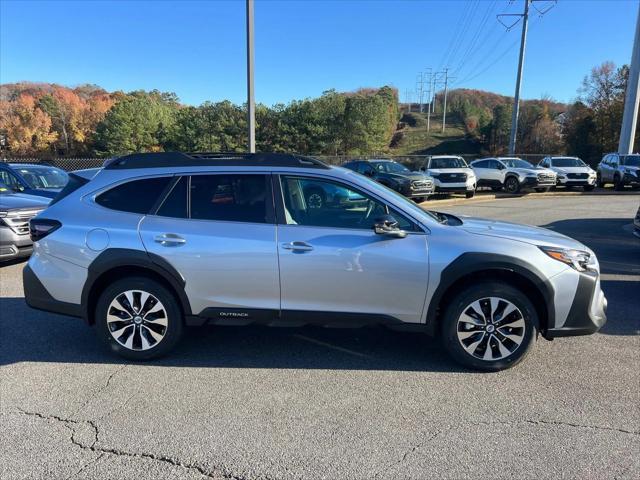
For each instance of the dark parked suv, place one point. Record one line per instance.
(41, 180)
(415, 185)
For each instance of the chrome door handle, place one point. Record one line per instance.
(170, 240)
(297, 246)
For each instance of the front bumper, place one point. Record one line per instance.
(573, 182)
(531, 182)
(13, 245)
(588, 310)
(630, 179)
(462, 187)
(413, 193)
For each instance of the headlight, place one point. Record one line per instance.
(577, 259)
(562, 176)
(434, 174)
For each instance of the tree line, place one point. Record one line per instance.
(45, 119)
(587, 128)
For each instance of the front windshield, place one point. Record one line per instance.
(390, 167)
(516, 163)
(631, 160)
(448, 162)
(43, 177)
(404, 201)
(567, 162)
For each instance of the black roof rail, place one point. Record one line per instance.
(198, 159)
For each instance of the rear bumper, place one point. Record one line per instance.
(37, 296)
(588, 310)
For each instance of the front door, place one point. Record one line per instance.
(218, 232)
(332, 261)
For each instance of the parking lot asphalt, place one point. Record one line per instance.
(253, 403)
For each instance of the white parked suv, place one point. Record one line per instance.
(451, 174)
(571, 172)
(512, 174)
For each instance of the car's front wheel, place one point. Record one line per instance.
(470, 194)
(511, 185)
(588, 188)
(491, 326)
(138, 318)
(618, 184)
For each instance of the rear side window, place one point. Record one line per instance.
(231, 198)
(176, 204)
(481, 164)
(137, 196)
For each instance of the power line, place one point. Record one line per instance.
(461, 37)
(457, 31)
(475, 40)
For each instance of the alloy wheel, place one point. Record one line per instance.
(511, 185)
(491, 328)
(137, 320)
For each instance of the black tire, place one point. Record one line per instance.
(511, 185)
(469, 194)
(315, 198)
(464, 299)
(618, 185)
(599, 181)
(171, 315)
(588, 188)
(419, 199)
(543, 190)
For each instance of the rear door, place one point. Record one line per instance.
(482, 171)
(218, 232)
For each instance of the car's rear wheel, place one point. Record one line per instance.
(511, 185)
(138, 318)
(491, 326)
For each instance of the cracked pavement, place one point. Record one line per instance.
(255, 403)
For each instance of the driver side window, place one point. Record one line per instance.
(322, 203)
(10, 180)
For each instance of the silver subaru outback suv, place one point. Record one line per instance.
(158, 241)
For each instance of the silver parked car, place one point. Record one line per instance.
(571, 172)
(16, 209)
(158, 241)
(512, 174)
(621, 170)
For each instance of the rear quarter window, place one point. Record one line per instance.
(136, 196)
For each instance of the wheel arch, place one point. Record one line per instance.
(116, 263)
(471, 268)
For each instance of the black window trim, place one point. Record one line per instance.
(280, 210)
(270, 215)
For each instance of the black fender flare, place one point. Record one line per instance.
(471, 263)
(112, 258)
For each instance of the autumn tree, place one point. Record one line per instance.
(27, 128)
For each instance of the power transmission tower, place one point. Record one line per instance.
(420, 89)
(447, 79)
(630, 115)
(523, 40)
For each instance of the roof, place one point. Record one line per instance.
(198, 159)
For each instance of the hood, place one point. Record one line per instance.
(522, 233)
(536, 170)
(20, 201)
(407, 176)
(572, 169)
(438, 171)
(630, 167)
(49, 193)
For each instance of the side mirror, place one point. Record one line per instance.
(501, 167)
(369, 173)
(18, 188)
(387, 225)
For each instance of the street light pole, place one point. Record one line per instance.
(251, 102)
(516, 101)
(630, 115)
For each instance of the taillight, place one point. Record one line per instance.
(41, 227)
